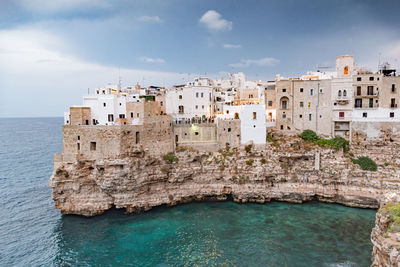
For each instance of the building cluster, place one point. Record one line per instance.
(207, 113)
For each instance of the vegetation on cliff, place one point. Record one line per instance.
(365, 163)
(393, 209)
(335, 143)
(170, 157)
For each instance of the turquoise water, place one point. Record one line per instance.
(32, 233)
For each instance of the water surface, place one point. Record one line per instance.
(33, 233)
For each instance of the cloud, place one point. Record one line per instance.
(214, 21)
(35, 66)
(230, 46)
(262, 62)
(59, 6)
(152, 60)
(153, 19)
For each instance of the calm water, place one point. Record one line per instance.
(32, 233)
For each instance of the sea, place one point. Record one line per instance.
(34, 233)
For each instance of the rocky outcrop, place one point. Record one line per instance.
(285, 171)
(386, 251)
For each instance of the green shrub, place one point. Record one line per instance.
(309, 135)
(248, 148)
(250, 162)
(335, 143)
(170, 157)
(365, 163)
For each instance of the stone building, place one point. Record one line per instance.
(304, 104)
(342, 97)
(109, 141)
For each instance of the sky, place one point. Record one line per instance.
(54, 51)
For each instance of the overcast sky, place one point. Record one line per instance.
(51, 52)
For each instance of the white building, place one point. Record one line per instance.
(187, 102)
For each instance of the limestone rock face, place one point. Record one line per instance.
(280, 172)
(386, 251)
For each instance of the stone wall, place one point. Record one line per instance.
(113, 141)
(80, 116)
(228, 131)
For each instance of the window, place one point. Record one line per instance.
(370, 90)
(371, 102)
(301, 90)
(87, 122)
(346, 70)
(92, 146)
(281, 127)
(309, 104)
(161, 103)
(131, 114)
(196, 133)
(309, 117)
(137, 137)
(311, 91)
(250, 96)
(283, 116)
(344, 93)
(137, 115)
(202, 107)
(391, 115)
(301, 116)
(393, 88)
(339, 93)
(358, 79)
(79, 146)
(284, 104)
(181, 110)
(202, 94)
(110, 117)
(371, 78)
(269, 103)
(365, 114)
(320, 90)
(180, 96)
(284, 90)
(229, 130)
(197, 107)
(341, 114)
(358, 90)
(197, 94)
(393, 103)
(94, 122)
(122, 116)
(254, 115)
(104, 104)
(120, 104)
(358, 103)
(79, 138)
(301, 104)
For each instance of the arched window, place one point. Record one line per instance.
(346, 70)
(344, 93)
(340, 93)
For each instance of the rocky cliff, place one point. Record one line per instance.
(292, 171)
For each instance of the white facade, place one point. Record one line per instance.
(188, 102)
(252, 121)
(105, 109)
(376, 115)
